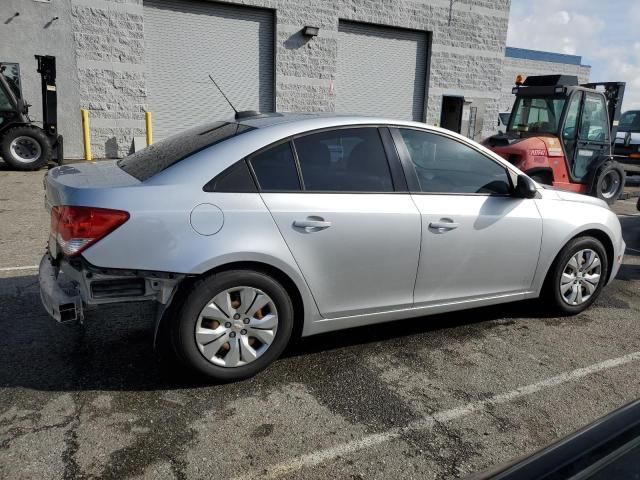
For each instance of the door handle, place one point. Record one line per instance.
(309, 223)
(443, 226)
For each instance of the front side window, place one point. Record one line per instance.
(275, 169)
(344, 160)
(594, 126)
(444, 165)
(536, 115)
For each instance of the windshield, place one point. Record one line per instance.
(158, 157)
(536, 115)
(630, 122)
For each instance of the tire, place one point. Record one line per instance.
(556, 281)
(609, 183)
(25, 148)
(257, 287)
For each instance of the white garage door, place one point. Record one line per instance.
(185, 41)
(381, 71)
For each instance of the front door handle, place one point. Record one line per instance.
(444, 226)
(315, 223)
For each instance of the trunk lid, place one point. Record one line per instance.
(70, 184)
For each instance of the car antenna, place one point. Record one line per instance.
(225, 97)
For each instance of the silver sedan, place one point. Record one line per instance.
(251, 230)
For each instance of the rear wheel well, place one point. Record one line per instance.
(598, 235)
(276, 273)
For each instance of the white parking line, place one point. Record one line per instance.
(13, 269)
(315, 458)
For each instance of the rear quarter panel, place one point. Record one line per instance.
(159, 236)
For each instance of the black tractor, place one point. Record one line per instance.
(23, 145)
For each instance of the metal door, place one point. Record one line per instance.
(186, 41)
(381, 71)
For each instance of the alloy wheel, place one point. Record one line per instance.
(580, 277)
(236, 327)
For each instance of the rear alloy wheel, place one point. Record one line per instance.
(610, 182)
(233, 324)
(25, 148)
(578, 275)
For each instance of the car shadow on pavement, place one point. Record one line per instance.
(113, 349)
(459, 324)
(628, 272)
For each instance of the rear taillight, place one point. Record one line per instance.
(76, 228)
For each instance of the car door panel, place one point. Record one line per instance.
(357, 252)
(493, 248)
(477, 239)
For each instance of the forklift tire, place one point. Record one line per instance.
(25, 148)
(609, 183)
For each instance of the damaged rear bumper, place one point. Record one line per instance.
(68, 288)
(60, 296)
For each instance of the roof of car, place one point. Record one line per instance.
(263, 120)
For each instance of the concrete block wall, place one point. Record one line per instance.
(105, 44)
(108, 39)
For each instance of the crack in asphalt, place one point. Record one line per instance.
(71, 468)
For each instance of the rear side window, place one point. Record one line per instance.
(344, 160)
(275, 169)
(158, 157)
(235, 179)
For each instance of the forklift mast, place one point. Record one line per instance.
(47, 71)
(614, 94)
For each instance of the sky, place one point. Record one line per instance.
(606, 33)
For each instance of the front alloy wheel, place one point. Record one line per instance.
(577, 275)
(580, 277)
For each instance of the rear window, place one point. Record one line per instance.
(158, 157)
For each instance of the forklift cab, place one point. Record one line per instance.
(556, 107)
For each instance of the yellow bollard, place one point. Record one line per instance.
(147, 120)
(86, 134)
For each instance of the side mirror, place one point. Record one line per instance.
(525, 187)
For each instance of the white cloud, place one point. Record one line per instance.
(603, 33)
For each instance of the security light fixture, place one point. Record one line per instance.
(310, 31)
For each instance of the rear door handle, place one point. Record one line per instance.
(442, 226)
(311, 223)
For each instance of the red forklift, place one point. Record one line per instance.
(561, 133)
(24, 145)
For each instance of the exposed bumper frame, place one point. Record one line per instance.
(66, 287)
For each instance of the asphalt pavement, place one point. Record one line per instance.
(433, 397)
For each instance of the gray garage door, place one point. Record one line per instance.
(381, 71)
(185, 41)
